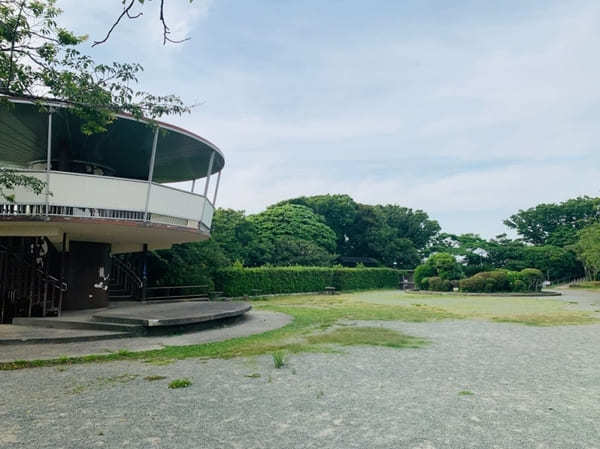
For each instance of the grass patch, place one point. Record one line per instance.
(465, 393)
(154, 378)
(559, 319)
(588, 284)
(180, 383)
(318, 313)
(374, 336)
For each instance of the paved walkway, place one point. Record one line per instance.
(253, 322)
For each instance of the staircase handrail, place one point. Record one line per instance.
(129, 271)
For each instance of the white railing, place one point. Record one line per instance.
(83, 195)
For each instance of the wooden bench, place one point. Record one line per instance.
(329, 290)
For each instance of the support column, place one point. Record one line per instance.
(217, 188)
(62, 272)
(49, 161)
(151, 172)
(210, 165)
(144, 271)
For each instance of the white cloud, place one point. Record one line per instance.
(483, 116)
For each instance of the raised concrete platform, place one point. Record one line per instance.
(122, 320)
(173, 314)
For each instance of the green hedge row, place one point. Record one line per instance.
(270, 280)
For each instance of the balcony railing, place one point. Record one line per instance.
(104, 197)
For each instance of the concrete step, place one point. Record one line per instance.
(60, 323)
(12, 335)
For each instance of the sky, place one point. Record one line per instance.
(467, 110)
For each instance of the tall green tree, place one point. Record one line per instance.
(587, 249)
(294, 221)
(555, 224)
(338, 211)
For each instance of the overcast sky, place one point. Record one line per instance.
(468, 110)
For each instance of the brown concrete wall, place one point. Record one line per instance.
(87, 271)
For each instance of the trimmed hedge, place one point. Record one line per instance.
(527, 280)
(271, 280)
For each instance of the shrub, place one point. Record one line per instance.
(269, 280)
(529, 279)
(422, 272)
(533, 278)
(486, 281)
(438, 284)
(442, 265)
(519, 286)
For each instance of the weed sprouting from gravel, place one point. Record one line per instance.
(180, 383)
(278, 359)
(465, 393)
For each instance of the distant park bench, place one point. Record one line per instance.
(329, 290)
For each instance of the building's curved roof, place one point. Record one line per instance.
(125, 147)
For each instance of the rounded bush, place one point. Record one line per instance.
(422, 272)
(439, 285)
(519, 286)
(533, 278)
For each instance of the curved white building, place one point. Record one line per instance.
(106, 193)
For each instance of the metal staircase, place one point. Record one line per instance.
(125, 284)
(26, 286)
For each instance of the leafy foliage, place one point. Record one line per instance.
(190, 263)
(477, 254)
(442, 266)
(39, 57)
(527, 280)
(295, 221)
(9, 180)
(393, 235)
(555, 224)
(269, 280)
(587, 249)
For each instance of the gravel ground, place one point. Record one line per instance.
(253, 322)
(531, 387)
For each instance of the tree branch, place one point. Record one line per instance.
(166, 30)
(123, 14)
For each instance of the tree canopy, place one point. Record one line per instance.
(555, 224)
(393, 235)
(39, 57)
(587, 249)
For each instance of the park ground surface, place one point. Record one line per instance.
(378, 369)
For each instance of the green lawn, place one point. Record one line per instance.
(314, 326)
(593, 285)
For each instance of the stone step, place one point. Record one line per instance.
(59, 323)
(11, 334)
